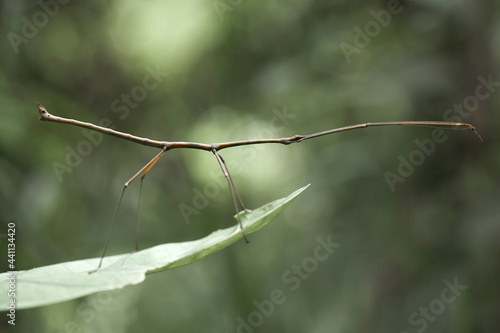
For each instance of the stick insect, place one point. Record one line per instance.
(214, 148)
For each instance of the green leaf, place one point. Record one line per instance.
(69, 280)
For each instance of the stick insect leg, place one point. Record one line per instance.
(232, 189)
(145, 169)
(230, 179)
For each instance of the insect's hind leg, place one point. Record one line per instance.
(233, 190)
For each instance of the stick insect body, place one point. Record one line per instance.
(215, 148)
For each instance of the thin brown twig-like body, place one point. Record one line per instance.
(44, 115)
(216, 147)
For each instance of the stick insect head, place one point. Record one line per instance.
(43, 113)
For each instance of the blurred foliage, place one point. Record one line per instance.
(232, 66)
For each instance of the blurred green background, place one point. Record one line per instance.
(246, 69)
